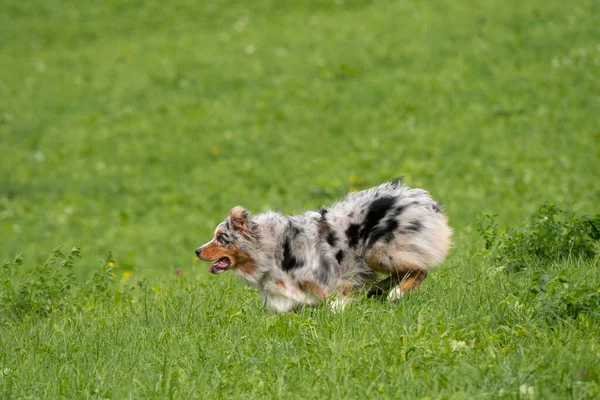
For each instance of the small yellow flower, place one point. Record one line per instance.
(196, 258)
(215, 151)
(353, 179)
(111, 264)
(353, 189)
(126, 274)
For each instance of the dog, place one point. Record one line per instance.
(328, 255)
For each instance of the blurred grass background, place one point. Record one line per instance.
(134, 126)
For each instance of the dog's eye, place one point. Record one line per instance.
(222, 241)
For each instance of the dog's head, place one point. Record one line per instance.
(228, 247)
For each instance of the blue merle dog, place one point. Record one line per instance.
(306, 259)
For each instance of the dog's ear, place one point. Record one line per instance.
(239, 219)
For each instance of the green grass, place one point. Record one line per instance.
(133, 127)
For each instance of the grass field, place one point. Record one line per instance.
(133, 127)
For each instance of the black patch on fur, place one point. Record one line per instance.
(377, 211)
(352, 234)
(289, 261)
(436, 207)
(385, 231)
(323, 212)
(332, 238)
(351, 215)
(339, 256)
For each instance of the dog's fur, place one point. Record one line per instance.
(306, 259)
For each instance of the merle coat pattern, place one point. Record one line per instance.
(309, 258)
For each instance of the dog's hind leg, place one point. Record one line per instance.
(410, 281)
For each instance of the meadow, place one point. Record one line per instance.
(128, 129)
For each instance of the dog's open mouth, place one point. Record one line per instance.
(221, 265)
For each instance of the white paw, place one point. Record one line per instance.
(338, 305)
(396, 294)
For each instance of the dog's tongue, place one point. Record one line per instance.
(220, 266)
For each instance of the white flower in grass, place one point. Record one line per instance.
(458, 345)
(526, 390)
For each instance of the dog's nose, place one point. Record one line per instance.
(198, 252)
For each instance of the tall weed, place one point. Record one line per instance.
(550, 235)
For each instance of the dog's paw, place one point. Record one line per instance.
(396, 294)
(338, 305)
